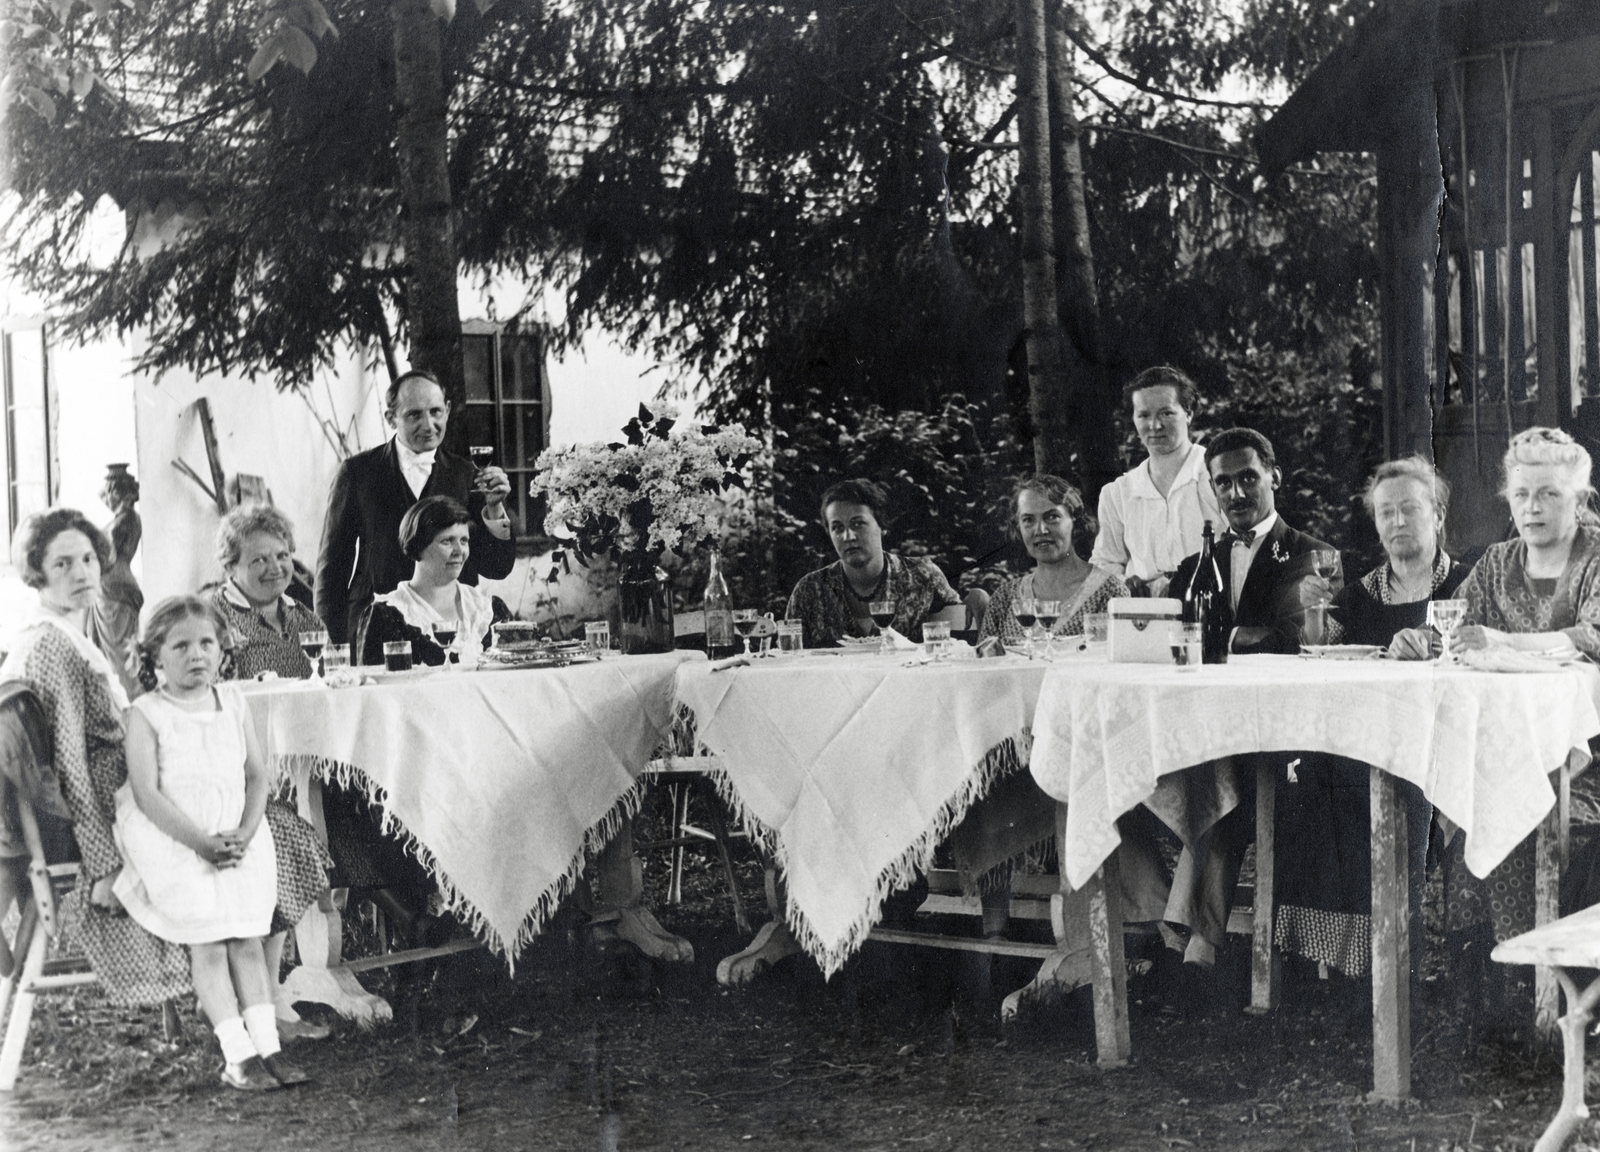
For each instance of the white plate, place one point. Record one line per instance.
(861, 643)
(1340, 651)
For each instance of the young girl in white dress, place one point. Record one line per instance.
(199, 866)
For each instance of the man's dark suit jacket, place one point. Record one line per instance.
(1271, 595)
(361, 556)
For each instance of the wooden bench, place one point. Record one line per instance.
(1568, 943)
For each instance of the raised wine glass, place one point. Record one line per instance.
(444, 634)
(1445, 616)
(1325, 562)
(1027, 616)
(1047, 612)
(882, 613)
(311, 643)
(745, 622)
(482, 456)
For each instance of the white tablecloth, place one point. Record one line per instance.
(1479, 744)
(501, 780)
(852, 768)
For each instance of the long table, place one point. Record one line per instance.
(852, 768)
(501, 780)
(1480, 745)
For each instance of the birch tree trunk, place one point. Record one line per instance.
(1046, 390)
(1090, 401)
(433, 314)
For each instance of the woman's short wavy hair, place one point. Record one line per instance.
(1554, 447)
(857, 490)
(1163, 376)
(425, 519)
(1057, 491)
(244, 521)
(1416, 468)
(34, 534)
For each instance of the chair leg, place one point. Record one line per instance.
(679, 794)
(719, 825)
(27, 925)
(1263, 966)
(21, 1013)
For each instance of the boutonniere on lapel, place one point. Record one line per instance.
(1278, 554)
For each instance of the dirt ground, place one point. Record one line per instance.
(593, 1050)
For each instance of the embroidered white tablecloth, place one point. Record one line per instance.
(501, 780)
(852, 768)
(1480, 745)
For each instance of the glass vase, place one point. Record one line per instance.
(644, 602)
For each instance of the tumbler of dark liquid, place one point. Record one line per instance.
(397, 655)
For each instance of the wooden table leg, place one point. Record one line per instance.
(1391, 943)
(1111, 1038)
(1574, 1029)
(1546, 909)
(1263, 963)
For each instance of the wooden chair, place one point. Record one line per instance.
(684, 776)
(1568, 943)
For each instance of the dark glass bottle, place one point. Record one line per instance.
(1206, 604)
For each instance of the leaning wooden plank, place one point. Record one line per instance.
(1391, 944)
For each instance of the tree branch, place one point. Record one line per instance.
(1112, 70)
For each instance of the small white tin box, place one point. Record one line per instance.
(1138, 629)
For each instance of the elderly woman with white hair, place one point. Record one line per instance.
(1538, 592)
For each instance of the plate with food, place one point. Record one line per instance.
(861, 643)
(1341, 651)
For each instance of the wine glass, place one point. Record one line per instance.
(745, 621)
(1027, 616)
(882, 613)
(444, 634)
(1047, 612)
(1445, 616)
(482, 456)
(311, 643)
(1325, 563)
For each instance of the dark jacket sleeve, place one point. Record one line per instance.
(1283, 637)
(341, 530)
(492, 557)
(381, 623)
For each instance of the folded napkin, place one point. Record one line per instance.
(899, 643)
(1511, 660)
(740, 661)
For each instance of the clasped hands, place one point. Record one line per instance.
(224, 849)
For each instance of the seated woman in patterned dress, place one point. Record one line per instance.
(61, 554)
(1324, 885)
(1539, 592)
(255, 547)
(832, 602)
(1049, 517)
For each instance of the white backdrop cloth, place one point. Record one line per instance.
(1480, 745)
(852, 768)
(502, 780)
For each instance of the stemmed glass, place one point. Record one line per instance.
(482, 455)
(311, 643)
(882, 613)
(1047, 612)
(745, 621)
(1445, 616)
(444, 634)
(1027, 616)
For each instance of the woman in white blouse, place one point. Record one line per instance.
(1152, 515)
(435, 534)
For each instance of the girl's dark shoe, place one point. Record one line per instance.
(286, 1071)
(250, 1075)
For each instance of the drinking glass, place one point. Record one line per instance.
(311, 643)
(1325, 561)
(335, 656)
(397, 655)
(1047, 612)
(1445, 616)
(444, 634)
(482, 456)
(1185, 642)
(597, 635)
(745, 623)
(1314, 628)
(1027, 617)
(1096, 627)
(791, 637)
(936, 642)
(882, 613)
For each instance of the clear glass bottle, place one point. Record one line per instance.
(719, 613)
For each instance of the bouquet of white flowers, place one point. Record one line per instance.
(660, 490)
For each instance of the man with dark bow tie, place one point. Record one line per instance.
(361, 555)
(1264, 562)
(1268, 575)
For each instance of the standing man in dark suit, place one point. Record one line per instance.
(361, 555)
(1265, 567)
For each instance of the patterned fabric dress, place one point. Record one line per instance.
(824, 601)
(1500, 594)
(1001, 620)
(1323, 821)
(257, 646)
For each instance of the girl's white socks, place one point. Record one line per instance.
(261, 1021)
(237, 1046)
